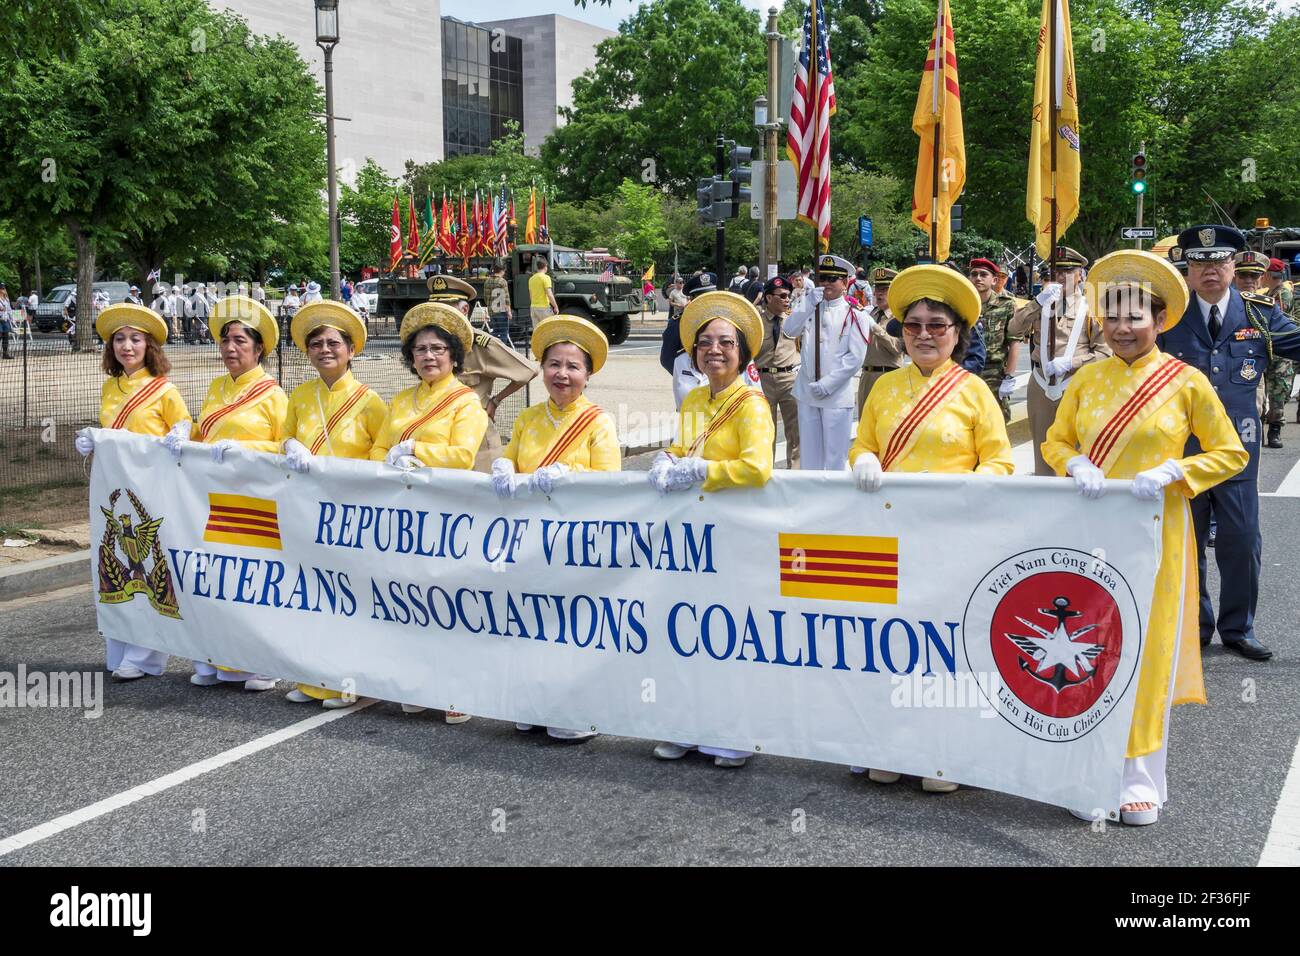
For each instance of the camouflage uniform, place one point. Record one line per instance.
(1281, 372)
(995, 314)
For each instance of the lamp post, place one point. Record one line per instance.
(327, 35)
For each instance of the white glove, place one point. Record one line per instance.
(1007, 388)
(84, 443)
(1051, 293)
(686, 473)
(543, 479)
(1088, 478)
(1150, 483)
(297, 456)
(219, 449)
(818, 294)
(403, 449)
(1059, 366)
(504, 480)
(867, 472)
(177, 437)
(659, 469)
(818, 390)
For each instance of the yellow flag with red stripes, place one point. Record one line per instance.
(839, 567)
(239, 519)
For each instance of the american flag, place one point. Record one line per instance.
(501, 221)
(808, 142)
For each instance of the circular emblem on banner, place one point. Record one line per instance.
(1048, 629)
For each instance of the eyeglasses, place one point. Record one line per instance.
(980, 274)
(932, 328)
(324, 345)
(437, 351)
(829, 278)
(726, 345)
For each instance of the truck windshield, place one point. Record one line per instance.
(570, 262)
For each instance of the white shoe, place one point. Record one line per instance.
(559, 733)
(413, 709)
(934, 785)
(127, 672)
(204, 680)
(883, 776)
(260, 683)
(298, 697)
(455, 717)
(339, 703)
(1139, 818)
(525, 728)
(729, 761)
(670, 751)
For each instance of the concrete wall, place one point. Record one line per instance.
(556, 51)
(387, 73)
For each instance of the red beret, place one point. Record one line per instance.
(1276, 265)
(988, 264)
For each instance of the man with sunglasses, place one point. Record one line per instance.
(1230, 337)
(835, 337)
(996, 312)
(778, 363)
(1062, 339)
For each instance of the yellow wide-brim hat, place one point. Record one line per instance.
(938, 283)
(242, 309)
(576, 331)
(446, 317)
(326, 313)
(736, 309)
(128, 315)
(1131, 266)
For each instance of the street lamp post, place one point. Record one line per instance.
(327, 35)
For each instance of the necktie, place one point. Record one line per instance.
(1215, 323)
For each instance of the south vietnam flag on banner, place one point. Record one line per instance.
(1062, 89)
(239, 519)
(839, 567)
(938, 107)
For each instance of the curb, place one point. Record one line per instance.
(47, 574)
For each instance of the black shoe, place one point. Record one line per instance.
(1249, 648)
(1274, 439)
(1209, 542)
(1206, 638)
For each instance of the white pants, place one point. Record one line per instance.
(1144, 777)
(204, 669)
(120, 652)
(824, 437)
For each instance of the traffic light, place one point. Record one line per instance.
(742, 174)
(713, 200)
(1138, 173)
(955, 218)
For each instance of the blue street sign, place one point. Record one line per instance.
(864, 231)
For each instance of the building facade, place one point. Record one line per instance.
(482, 86)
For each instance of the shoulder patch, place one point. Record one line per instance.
(481, 339)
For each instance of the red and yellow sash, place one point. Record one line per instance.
(1158, 387)
(727, 411)
(142, 398)
(352, 404)
(570, 435)
(250, 397)
(909, 426)
(432, 413)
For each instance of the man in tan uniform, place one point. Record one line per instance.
(1061, 338)
(490, 359)
(884, 351)
(778, 363)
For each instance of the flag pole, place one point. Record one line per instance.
(939, 64)
(1054, 106)
(814, 69)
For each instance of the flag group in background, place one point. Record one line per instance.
(543, 230)
(530, 228)
(1055, 127)
(808, 142)
(941, 157)
(428, 238)
(395, 238)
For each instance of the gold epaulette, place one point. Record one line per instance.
(481, 339)
(1258, 299)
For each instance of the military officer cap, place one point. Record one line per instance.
(833, 267)
(1250, 262)
(1210, 243)
(450, 289)
(1277, 266)
(1176, 257)
(883, 275)
(776, 284)
(1067, 258)
(987, 264)
(699, 284)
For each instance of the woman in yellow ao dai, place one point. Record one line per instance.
(332, 416)
(1130, 416)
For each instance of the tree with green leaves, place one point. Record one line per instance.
(641, 220)
(365, 214)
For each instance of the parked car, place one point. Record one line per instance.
(50, 309)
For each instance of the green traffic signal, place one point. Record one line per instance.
(1139, 186)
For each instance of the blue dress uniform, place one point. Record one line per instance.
(1251, 330)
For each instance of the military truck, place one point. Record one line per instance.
(579, 286)
(1276, 242)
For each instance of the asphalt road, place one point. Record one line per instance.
(379, 787)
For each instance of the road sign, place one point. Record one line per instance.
(1129, 233)
(864, 231)
(787, 197)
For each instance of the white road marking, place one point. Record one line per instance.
(1023, 456)
(1290, 487)
(1282, 847)
(127, 797)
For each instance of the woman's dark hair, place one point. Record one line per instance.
(964, 331)
(253, 334)
(457, 350)
(585, 357)
(316, 332)
(154, 359)
(746, 356)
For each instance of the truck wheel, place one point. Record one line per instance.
(618, 331)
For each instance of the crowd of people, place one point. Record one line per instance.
(1140, 370)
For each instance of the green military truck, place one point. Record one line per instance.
(1276, 242)
(579, 286)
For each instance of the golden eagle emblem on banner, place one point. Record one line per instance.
(141, 567)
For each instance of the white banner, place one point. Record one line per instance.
(982, 630)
